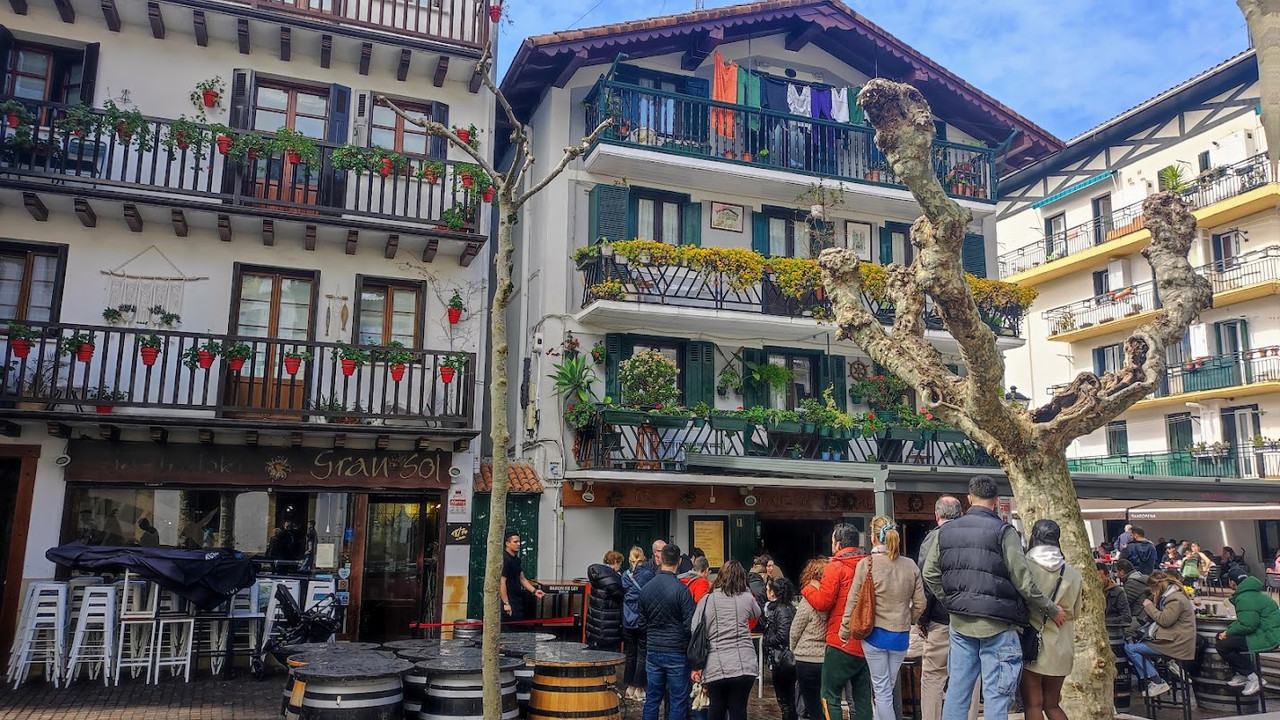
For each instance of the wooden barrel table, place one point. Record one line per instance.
(518, 647)
(424, 644)
(573, 683)
(351, 686)
(1212, 674)
(415, 681)
(455, 688)
(315, 652)
(1124, 683)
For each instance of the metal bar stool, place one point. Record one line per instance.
(43, 639)
(174, 636)
(94, 638)
(136, 628)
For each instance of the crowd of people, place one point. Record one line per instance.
(992, 619)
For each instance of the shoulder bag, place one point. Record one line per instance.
(1031, 636)
(700, 640)
(864, 612)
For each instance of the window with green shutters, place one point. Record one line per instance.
(694, 359)
(973, 255)
(660, 215)
(895, 244)
(607, 211)
(778, 232)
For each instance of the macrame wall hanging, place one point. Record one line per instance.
(148, 279)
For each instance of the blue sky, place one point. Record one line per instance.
(1066, 65)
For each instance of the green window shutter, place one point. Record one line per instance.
(692, 230)
(1244, 334)
(973, 255)
(831, 371)
(886, 246)
(760, 233)
(607, 215)
(699, 373)
(633, 216)
(617, 347)
(752, 394)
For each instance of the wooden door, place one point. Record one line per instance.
(275, 305)
(302, 110)
(400, 566)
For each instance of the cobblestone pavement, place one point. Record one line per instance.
(204, 698)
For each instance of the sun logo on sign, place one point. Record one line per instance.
(278, 468)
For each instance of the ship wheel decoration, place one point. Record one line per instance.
(857, 370)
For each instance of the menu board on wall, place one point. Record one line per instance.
(711, 535)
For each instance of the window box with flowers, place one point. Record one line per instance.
(729, 421)
(608, 290)
(580, 415)
(614, 415)
(783, 422)
(879, 390)
(668, 417)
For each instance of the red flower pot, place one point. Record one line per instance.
(124, 133)
(292, 364)
(210, 98)
(21, 348)
(236, 363)
(430, 177)
(85, 353)
(224, 144)
(183, 144)
(467, 180)
(464, 135)
(348, 367)
(149, 355)
(204, 359)
(446, 375)
(293, 157)
(495, 12)
(397, 372)
(251, 154)
(102, 409)
(13, 119)
(386, 168)
(487, 195)
(455, 314)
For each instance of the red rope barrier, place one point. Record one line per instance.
(560, 621)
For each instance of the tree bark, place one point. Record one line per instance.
(1263, 19)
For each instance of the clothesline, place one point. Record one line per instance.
(735, 84)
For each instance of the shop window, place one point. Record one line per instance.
(31, 281)
(388, 310)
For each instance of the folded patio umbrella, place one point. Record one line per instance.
(206, 578)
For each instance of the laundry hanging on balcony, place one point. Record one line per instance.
(724, 88)
(147, 279)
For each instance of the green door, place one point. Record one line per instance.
(522, 517)
(639, 528)
(742, 539)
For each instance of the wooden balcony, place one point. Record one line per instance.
(55, 374)
(456, 22)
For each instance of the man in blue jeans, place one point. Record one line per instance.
(666, 609)
(977, 569)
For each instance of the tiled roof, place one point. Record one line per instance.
(657, 23)
(521, 478)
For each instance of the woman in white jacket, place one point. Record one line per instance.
(1042, 678)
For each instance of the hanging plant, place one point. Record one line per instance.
(455, 308)
(430, 171)
(598, 353)
(251, 146)
(349, 157)
(203, 355)
(293, 360)
(16, 114)
(465, 174)
(149, 348)
(223, 137)
(396, 359)
(450, 364)
(208, 93)
(296, 147)
(80, 344)
(350, 357)
(78, 121)
(20, 337)
(495, 12)
(387, 161)
(130, 127)
(163, 318)
(236, 354)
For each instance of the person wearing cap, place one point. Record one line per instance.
(1256, 629)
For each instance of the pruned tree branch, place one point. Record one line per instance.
(571, 153)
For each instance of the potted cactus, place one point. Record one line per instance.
(293, 360)
(236, 354)
(149, 348)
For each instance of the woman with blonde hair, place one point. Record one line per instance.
(633, 639)
(809, 643)
(1042, 678)
(899, 603)
(1172, 632)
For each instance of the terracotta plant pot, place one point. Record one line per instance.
(872, 175)
(397, 372)
(236, 363)
(386, 167)
(252, 154)
(464, 136)
(204, 359)
(495, 12)
(183, 144)
(746, 157)
(149, 355)
(455, 314)
(102, 409)
(348, 367)
(292, 365)
(124, 133)
(224, 144)
(446, 375)
(293, 157)
(85, 353)
(487, 195)
(21, 348)
(467, 180)
(210, 98)
(13, 119)
(430, 178)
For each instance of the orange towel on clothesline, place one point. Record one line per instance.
(724, 88)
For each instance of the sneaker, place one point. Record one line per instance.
(1238, 680)
(1157, 687)
(1252, 686)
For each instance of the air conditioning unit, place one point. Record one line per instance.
(1119, 273)
(362, 111)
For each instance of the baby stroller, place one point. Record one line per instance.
(295, 626)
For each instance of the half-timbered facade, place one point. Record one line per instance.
(226, 272)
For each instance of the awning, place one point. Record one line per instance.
(1172, 510)
(1078, 186)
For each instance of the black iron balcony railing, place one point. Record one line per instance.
(55, 371)
(179, 158)
(633, 440)
(461, 22)
(1223, 275)
(1213, 186)
(1230, 462)
(1247, 367)
(685, 125)
(681, 286)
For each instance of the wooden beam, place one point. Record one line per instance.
(393, 244)
(326, 51)
(798, 39)
(286, 43)
(340, 440)
(422, 443)
(295, 439)
(19, 6)
(268, 232)
(310, 240)
(59, 430)
(442, 67)
(110, 433)
(406, 56)
(474, 85)
(429, 251)
(383, 441)
(157, 20)
(179, 220)
(85, 212)
(366, 54)
(132, 217)
(8, 428)
(65, 10)
(353, 236)
(159, 434)
(703, 46)
(576, 61)
(205, 436)
(35, 206)
(469, 254)
(242, 34)
(251, 437)
(201, 28)
(224, 228)
(111, 14)
(462, 444)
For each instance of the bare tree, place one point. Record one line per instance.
(510, 195)
(1030, 444)
(1263, 19)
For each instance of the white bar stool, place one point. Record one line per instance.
(174, 636)
(94, 638)
(137, 601)
(43, 639)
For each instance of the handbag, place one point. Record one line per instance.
(864, 612)
(700, 641)
(783, 660)
(1032, 637)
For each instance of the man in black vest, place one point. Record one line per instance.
(979, 572)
